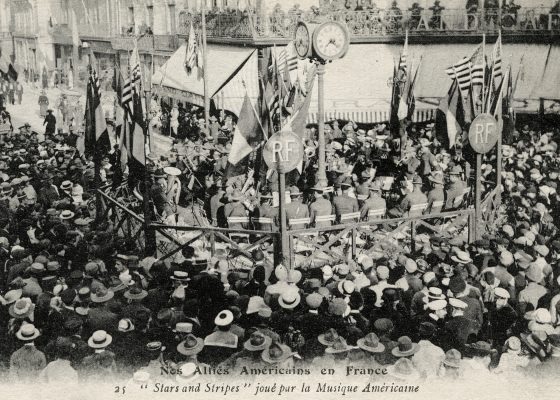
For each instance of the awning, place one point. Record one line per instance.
(224, 64)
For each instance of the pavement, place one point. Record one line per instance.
(28, 111)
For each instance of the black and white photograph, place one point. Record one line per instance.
(313, 199)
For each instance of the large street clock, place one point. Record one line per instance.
(330, 40)
(322, 42)
(302, 40)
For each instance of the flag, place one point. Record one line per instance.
(191, 50)
(248, 133)
(97, 138)
(497, 60)
(138, 149)
(411, 99)
(12, 73)
(297, 122)
(462, 70)
(134, 64)
(448, 114)
(508, 110)
(292, 56)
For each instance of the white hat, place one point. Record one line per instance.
(224, 318)
(27, 332)
(542, 316)
(100, 340)
(456, 303)
(437, 305)
(327, 271)
(502, 293)
(410, 266)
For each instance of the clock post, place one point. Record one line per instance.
(322, 171)
(321, 43)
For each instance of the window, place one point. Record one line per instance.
(172, 20)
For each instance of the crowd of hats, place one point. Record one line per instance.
(448, 301)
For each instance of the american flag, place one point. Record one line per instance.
(287, 56)
(462, 70)
(126, 101)
(497, 60)
(191, 51)
(478, 68)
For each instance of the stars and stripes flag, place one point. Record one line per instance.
(462, 71)
(191, 56)
(497, 60)
(287, 58)
(135, 68)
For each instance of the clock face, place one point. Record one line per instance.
(331, 40)
(302, 41)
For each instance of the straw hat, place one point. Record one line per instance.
(405, 347)
(257, 342)
(100, 340)
(27, 333)
(276, 353)
(191, 345)
(22, 308)
(370, 343)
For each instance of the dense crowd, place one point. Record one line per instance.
(79, 302)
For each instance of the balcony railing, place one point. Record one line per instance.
(380, 23)
(220, 25)
(147, 43)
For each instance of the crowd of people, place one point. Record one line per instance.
(79, 302)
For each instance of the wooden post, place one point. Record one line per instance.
(284, 256)
(322, 172)
(499, 162)
(477, 198)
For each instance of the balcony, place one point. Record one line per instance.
(147, 44)
(378, 25)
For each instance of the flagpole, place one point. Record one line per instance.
(96, 153)
(478, 167)
(205, 69)
(483, 79)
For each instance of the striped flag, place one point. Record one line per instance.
(191, 51)
(135, 68)
(287, 58)
(497, 60)
(462, 71)
(281, 60)
(478, 68)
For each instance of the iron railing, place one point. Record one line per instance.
(147, 43)
(379, 23)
